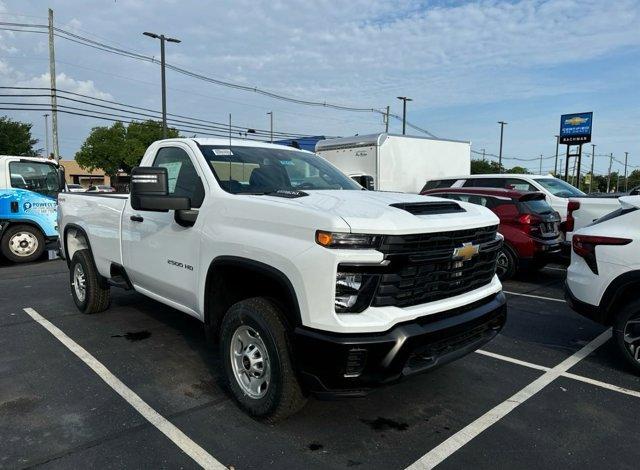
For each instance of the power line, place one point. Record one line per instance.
(82, 40)
(209, 124)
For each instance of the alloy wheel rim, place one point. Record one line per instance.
(250, 362)
(632, 337)
(502, 263)
(79, 282)
(23, 244)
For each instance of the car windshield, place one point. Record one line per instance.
(34, 176)
(559, 188)
(537, 206)
(262, 170)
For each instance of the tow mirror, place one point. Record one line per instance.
(62, 184)
(150, 191)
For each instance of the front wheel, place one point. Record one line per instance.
(22, 243)
(257, 360)
(626, 332)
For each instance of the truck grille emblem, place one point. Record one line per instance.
(466, 251)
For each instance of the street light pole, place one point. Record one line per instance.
(404, 100)
(502, 124)
(162, 39)
(270, 113)
(593, 157)
(626, 156)
(46, 132)
(555, 168)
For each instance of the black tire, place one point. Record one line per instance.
(622, 328)
(283, 395)
(96, 289)
(32, 235)
(507, 263)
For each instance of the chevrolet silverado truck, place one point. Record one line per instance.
(307, 282)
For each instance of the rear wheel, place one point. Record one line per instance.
(626, 331)
(506, 263)
(89, 289)
(22, 243)
(257, 360)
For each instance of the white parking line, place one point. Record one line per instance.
(471, 431)
(533, 296)
(189, 447)
(568, 375)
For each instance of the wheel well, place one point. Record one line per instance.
(13, 223)
(230, 280)
(75, 239)
(620, 292)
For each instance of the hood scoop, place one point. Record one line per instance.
(429, 208)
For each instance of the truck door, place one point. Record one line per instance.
(160, 255)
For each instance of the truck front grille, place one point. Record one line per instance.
(422, 267)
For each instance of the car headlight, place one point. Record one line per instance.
(346, 240)
(354, 291)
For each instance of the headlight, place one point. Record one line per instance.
(354, 291)
(346, 240)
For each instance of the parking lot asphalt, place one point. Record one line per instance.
(480, 412)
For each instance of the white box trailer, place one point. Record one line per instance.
(403, 163)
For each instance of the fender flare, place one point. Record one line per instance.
(614, 292)
(258, 267)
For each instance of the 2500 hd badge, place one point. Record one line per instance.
(180, 265)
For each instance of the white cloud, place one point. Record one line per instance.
(66, 83)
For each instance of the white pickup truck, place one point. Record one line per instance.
(308, 282)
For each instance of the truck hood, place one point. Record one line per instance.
(371, 212)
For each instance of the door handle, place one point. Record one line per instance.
(136, 218)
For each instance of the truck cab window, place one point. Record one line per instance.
(183, 177)
(34, 176)
(259, 170)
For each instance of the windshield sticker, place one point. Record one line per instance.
(222, 152)
(287, 162)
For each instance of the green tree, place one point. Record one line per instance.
(116, 147)
(518, 170)
(16, 138)
(634, 179)
(481, 167)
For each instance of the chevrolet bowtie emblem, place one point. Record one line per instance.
(465, 252)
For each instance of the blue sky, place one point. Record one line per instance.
(467, 65)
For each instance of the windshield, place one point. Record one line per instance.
(34, 176)
(559, 188)
(260, 170)
(536, 206)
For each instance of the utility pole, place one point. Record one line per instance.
(626, 186)
(593, 157)
(54, 101)
(609, 175)
(386, 121)
(270, 114)
(555, 168)
(162, 39)
(46, 133)
(482, 154)
(502, 124)
(404, 112)
(561, 163)
(540, 164)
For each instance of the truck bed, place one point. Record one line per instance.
(100, 216)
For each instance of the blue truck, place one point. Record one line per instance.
(29, 189)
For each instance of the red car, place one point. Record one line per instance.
(528, 223)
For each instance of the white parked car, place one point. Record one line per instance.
(565, 199)
(308, 282)
(75, 188)
(603, 279)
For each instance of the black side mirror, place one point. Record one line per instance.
(150, 191)
(62, 184)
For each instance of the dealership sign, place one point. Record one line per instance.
(575, 128)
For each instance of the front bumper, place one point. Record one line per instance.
(592, 312)
(332, 364)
